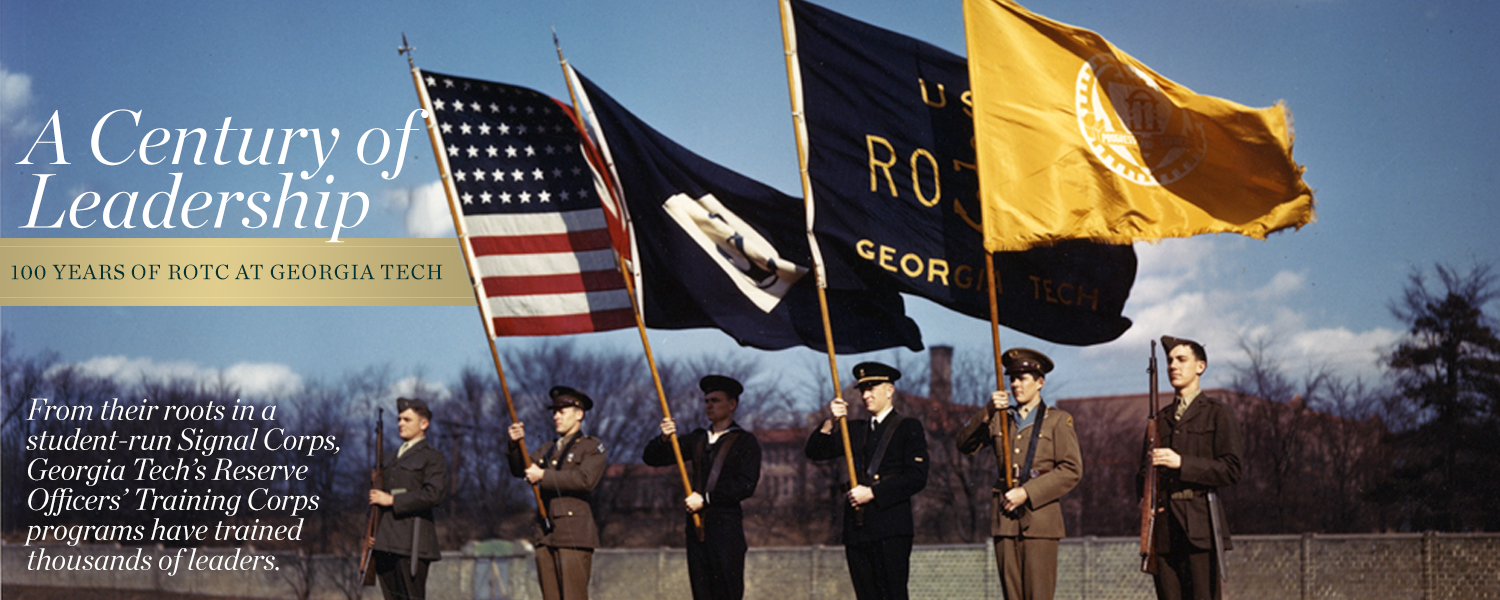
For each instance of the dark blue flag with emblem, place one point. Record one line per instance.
(896, 197)
(717, 249)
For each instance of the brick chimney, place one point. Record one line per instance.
(940, 388)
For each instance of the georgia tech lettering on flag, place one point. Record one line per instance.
(717, 249)
(1077, 139)
(535, 230)
(896, 200)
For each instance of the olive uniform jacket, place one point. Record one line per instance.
(566, 487)
(417, 482)
(902, 473)
(1058, 464)
(1208, 439)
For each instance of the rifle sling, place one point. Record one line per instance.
(416, 528)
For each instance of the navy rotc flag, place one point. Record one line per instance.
(891, 161)
(532, 222)
(717, 249)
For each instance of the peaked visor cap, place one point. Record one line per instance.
(564, 396)
(873, 373)
(1025, 360)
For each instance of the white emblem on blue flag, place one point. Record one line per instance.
(756, 268)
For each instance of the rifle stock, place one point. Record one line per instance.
(1150, 492)
(377, 481)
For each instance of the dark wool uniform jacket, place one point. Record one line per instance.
(417, 482)
(1058, 462)
(1208, 439)
(737, 478)
(566, 487)
(902, 473)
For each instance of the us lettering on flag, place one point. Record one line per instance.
(532, 224)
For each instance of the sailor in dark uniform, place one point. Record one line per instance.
(724, 470)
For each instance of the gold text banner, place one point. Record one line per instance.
(233, 272)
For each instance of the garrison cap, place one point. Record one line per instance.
(564, 396)
(1025, 360)
(872, 373)
(1168, 343)
(720, 383)
(416, 405)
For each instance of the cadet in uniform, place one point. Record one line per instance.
(1199, 452)
(725, 470)
(890, 460)
(1027, 521)
(567, 470)
(415, 482)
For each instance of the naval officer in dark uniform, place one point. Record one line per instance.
(415, 482)
(725, 468)
(1199, 452)
(1045, 463)
(890, 461)
(566, 469)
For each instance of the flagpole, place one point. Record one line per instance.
(468, 253)
(989, 271)
(794, 87)
(640, 322)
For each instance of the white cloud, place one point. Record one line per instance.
(1283, 284)
(1351, 353)
(424, 210)
(416, 387)
(1180, 290)
(251, 379)
(15, 100)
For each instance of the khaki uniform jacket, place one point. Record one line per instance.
(417, 482)
(1058, 462)
(566, 487)
(1208, 439)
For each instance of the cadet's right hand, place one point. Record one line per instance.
(839, 408)
(999, 401)
(517, 431)
(668, 427)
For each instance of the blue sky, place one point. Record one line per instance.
(1392, 104)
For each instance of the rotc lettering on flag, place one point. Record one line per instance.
(1078, 140)
(538, 235)
(717, 249)
(891, 164)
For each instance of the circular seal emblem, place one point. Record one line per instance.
(1132, 127)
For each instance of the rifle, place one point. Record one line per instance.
(377, 481)
(1150, 492)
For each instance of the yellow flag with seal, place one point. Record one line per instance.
(1077, 139)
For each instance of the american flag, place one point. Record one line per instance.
(532, 219)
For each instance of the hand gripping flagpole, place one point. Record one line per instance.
(794, 85)
(468, 253)
(625, 272)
